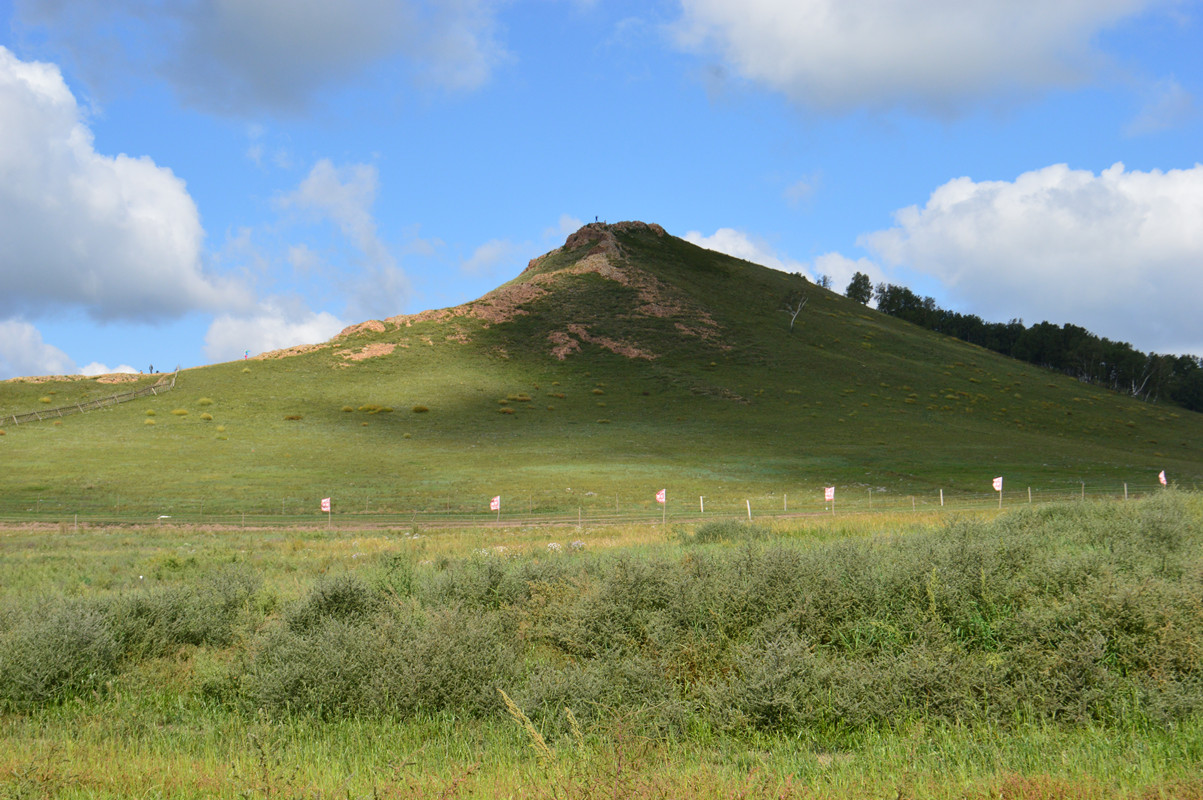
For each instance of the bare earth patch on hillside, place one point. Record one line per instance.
(373, 350)
(288, 352)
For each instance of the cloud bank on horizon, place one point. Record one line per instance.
(298, 167)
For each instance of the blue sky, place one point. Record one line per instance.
(182, 181)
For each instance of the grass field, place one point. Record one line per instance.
(1047, 651)
(439, 413)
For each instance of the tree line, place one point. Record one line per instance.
(1068, 349)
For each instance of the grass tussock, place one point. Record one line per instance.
(420, 409)
(206, 416)
(179, 412)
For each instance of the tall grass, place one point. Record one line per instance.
(1079, 622)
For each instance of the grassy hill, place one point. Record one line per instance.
(624, 362)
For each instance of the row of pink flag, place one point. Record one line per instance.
(662, 495)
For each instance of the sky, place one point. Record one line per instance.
(183, 182)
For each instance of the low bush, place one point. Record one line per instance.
(180, 412)
(729, 530)
(420, 409)
(58, 650)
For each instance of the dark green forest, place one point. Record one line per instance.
(1069, 349)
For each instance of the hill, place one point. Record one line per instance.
(626, 361)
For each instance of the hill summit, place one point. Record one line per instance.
(612, 259)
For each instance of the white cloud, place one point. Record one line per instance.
(741, 245)
(345, 195)
(802, 191)
(935, 55)
(303, 260)
(1168, 105)
(96, 368)
(278, 323)
(490, 255)
(841, 269)
(242, 56)
(1119, 253)
(566, 226)
(118, 236)
(23, 352)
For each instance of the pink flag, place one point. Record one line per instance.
(325, 504)
(495, 503)
(1161, 477)
(829, 493)
(660, 496)
(998, 484)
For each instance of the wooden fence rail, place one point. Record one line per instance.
(91, 405)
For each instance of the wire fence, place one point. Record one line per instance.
(367, 509)
(90, 405)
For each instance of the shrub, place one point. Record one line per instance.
(44, 400)
(505, 410)
(150, 412)
(420, 409)
(729, 530)
(342, 597)
(246, 369)
(57, 651)
(347, 408)
(180, 412)
(207, 417)
(148, 421)
(221, 428)
(153, 623)
(292, 417)
(599, 391)
(324, 672)
(205, 401)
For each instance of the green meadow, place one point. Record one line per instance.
(179, 619)
(1050, 651)
(686, 376)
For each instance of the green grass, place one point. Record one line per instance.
(1044, 652)
(754, 411)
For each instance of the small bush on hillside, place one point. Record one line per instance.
(347, 408)
(150, 412)
(292, 417)
(420, 409)
(205, 401)
(207, 417)
(44, 400)
(180, 412)
(505, 410)
(148, 421)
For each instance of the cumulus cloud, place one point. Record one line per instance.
(492, 254)
(936, 55)
(840, 269)
(345, 196)
(96, 368)
(749, 248)
(277, 323)
(566, 226)
(115, 235)
(241, 56)
(23, 352)
(1119, 253)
